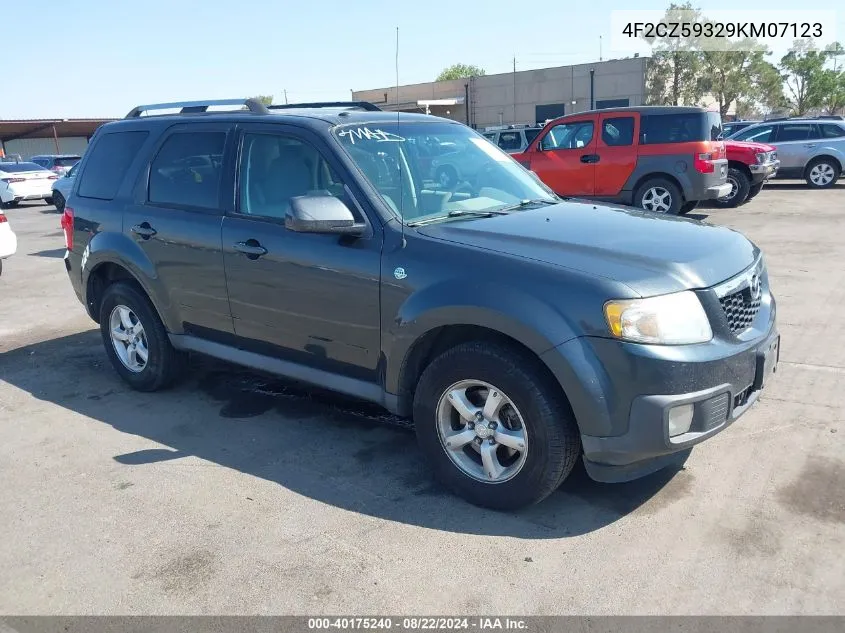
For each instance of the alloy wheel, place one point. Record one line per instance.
(482, 431)
(822, 174)
(128, 338)
(657, 199)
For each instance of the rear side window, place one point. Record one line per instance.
(680, 128)
(186, 170)
(510, 140)
(795, 133)
(530, 135)
(832, 131)
(108, 163)
(618, 131)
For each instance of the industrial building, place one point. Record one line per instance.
(528, 96)
(31, 137)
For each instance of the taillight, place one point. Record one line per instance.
(3, 218)
(11, 180)
(67, 226)
(52, 177)
(704, 163)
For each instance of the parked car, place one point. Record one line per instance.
(732, 127)
(749, 166)
(58, 163)
(8, 240)
(25, 181)
(513, 139)
(663, 159)
(62, 187)
(520, 331)
(812, 149)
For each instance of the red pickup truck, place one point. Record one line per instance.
(749, 166)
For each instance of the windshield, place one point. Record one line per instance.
(66, 161)
(428, 170)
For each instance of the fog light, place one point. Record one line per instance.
(680, 419)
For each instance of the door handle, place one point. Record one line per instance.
(251, 248)
(589, 158)
(144, 230)
(810, 145)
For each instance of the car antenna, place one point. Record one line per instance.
(398, 149)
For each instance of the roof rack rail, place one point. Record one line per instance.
(189, 107)
(361, 105)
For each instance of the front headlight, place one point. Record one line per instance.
(676, 319)
(761, 157)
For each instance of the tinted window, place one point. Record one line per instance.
(832, 131)
(761, 134)
(491, 136)
(795, 132)
(569, 135)
(186, 170)
(510, 140)
(67, 161)
(618, 131)
(680, 128)
(110, 159)
(276, 168)
(18, 167)
(531, 134)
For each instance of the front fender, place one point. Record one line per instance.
(535, 323)
(117, 248)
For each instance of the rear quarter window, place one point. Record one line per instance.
(108, 163)
(832, 131)
(686, 127)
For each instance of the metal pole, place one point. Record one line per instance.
(466, 101)
(514, 90)
(592, 83)
(286, 95)
(56, 139)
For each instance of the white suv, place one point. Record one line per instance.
(513, 140)
(812, 149)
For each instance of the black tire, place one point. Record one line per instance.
(820, 162)
(553, 439)
(59, 201)
(9, 205)
(49, 201)
(754, 190)
(687, 207)
(446, 176)
(740, 186)
(1, 267)
(164, 363)
(675, 197)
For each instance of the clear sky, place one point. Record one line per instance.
(99, 58)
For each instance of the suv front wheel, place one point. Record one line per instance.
(495, 428)
(135, 339)
(822, 173)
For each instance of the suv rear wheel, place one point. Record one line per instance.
(495, 430)
(822, 173)
(740, 186)
(135, 339)
(659, 195)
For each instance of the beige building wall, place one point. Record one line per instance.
(512, 97)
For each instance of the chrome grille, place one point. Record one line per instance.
(740, 309)
(741, 296)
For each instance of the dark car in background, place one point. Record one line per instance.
(520, 331)
(57, 163)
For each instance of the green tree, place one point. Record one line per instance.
(265, 99)
(459, 71)
(674, 71)
(734, 74)
(833, 80)
(804, 75)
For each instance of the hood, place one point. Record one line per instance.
(754, 147)
(650, 253)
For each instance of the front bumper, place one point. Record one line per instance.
(647, 446)
(761, 172)
(717, 191)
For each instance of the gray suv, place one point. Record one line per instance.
(522, 332)
(812, 149)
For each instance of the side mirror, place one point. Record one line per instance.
(321, 214)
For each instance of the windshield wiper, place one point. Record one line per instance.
(458, 213)
(527, 203)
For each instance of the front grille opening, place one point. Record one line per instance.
(740, 309)
(741, 398)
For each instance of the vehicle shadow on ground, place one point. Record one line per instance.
(786, 185)
(53, 252)
(335, 450)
